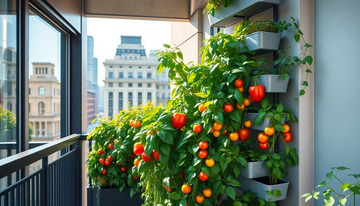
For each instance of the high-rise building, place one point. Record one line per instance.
(92, 84)
(131, 78)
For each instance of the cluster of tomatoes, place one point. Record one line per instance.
(138, 149)
(135, 123)
(263, 137)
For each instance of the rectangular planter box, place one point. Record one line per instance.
(261, 42)
(259, 188)
(239, 9)
(112, 197)
(261, 127)
(273, 83)
(255, 170)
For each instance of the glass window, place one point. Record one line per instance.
(120, 84)
(139, 67)
(29, 91)
(125, 57)
(157, 77)
(111, 74)
(149, 85)
(139, 84)
(157, 95)
(139, 98)
(121, 101)
(130, 75)
(149, 75)
(130, 67)
(130, 98)
(149, 96)
(130, 57)
(130, 84)
(41, 108)
(168, 86)
(135, 57)
(163, 95)
(163, 78)
(41, 90)
(149, 67)
(111, 66)
(157, 87)
(121, 75)
(110, 104)
(162, 86)
(140, 75)
(110, 84)
(120, 67)
(168, 96)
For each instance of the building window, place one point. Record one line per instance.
(110, 104)
(157, 87)
(120, 67)
(41, 108)
(162, 86)
(157, 95)
(130, 57)
(157, 77)
(120, 84)
(139, 67)
(29, 108)
(46, 70)
(36, 70)
(120, 101)
(9, 106)
(125, 57)
(110, 84)
(135, 57)
(111, 66)
(149, 67)
(121, 75)
(111, 74)
(29, 91)
(41, 90)
(162, 78)
(139, 75)
(9, 88)
(130, 67)
(163, 95)
(139, 84)
(149, 85)
(130, 84)
(130, 99)
(168, 86)
(168, 96)
(149, 96)
(130, 75)
(139, 98)
(148, 75)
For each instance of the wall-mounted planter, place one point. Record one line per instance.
(273, 83)
(113, 197)
(255, 170)
(261, 42)
(261, 127)
(238, 10)
(259, 186)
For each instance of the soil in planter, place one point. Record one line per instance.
(266, 181)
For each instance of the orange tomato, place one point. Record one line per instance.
(216, 133)
(287, 128)
(211, 130)
(269, 131)
(207, 192)
(199, 199)
(234, 136)
(217, 126)
(246, 102)
(263, 138)
(242, 107)
(210, 162)
(202, 108)
(197, 128)
(241, 89)
(247, 123)
(136, 162)
(185, 189)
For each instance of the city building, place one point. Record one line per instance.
(131, 78)
(44, 102)
(92, 81)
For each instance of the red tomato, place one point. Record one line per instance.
(107, 163)
(156, 155)
(257, 92)
(239, 83)
(110, 158)
(181, 175)
(263, 145)
(101, 151)
(138, 148)
(123, 169)
(167, 189)
(136, 178)
(178, 120)
(132, 155)
(101, 160)
(103, 182)
(287, 136)
(145, 157)
(203, 154)
(197, 128)
(136, 124)
(244, 134)
(263, 138)
(228, 108)
(203, 176)
(103, 171)
(203, 145)
(226, 132)
(111, 146)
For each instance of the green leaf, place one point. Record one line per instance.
(355, 189)
(237, 203)
(297, 37)
(164, 159)
(205, 170)
(279, 127)
(175, 196)
(223, 163)
(213, 67)
(308, 59)
(191, 77)
(143, 166)
(235, 116)
(276, 156)
(180, 55)
(287, 149)
(268, 165)
(183, 202)
(277, 193)
(302, 92)
(238, 96)
(202, 94)
(265, 103)
(219, 117)
(280, 108)
(343, 201)
(231, 192)
(345, 186)
(234, 183)
(191, 176)
(166, 137)
(259, 118)
(295, 157)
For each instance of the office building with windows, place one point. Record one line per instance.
(131, 78)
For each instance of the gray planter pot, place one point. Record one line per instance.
(273, 83)
(261, 42)
(261, 127)
(225, 17)
(259, 188)
(255, 170)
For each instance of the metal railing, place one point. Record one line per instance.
(55, 183)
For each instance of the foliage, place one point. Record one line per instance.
(212, 5)
(348, 189)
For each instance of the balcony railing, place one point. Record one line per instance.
(55, 183)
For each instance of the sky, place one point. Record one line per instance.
(107, 32)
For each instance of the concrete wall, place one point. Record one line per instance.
(336, 91)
